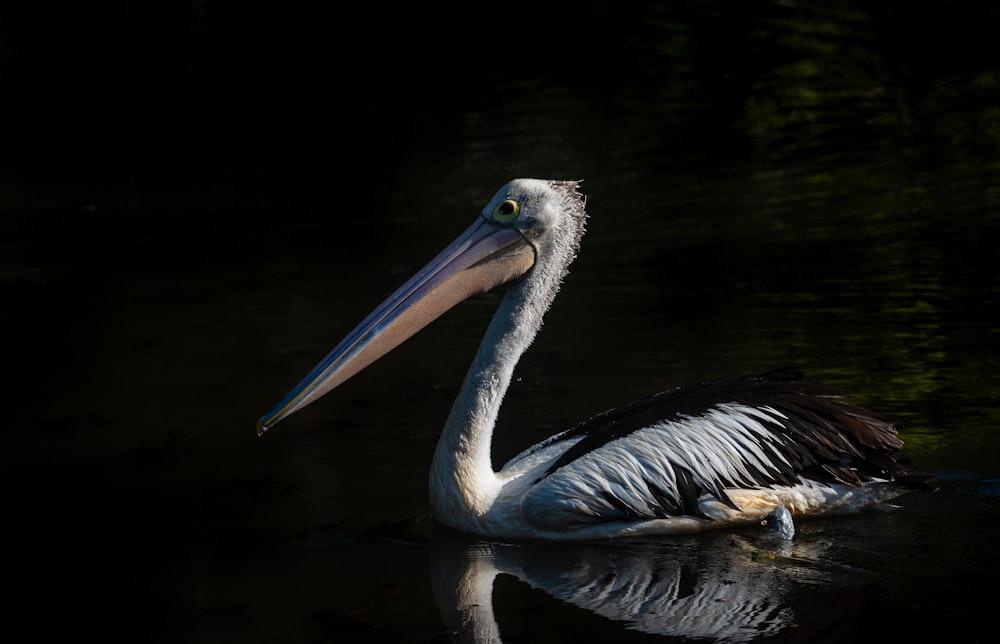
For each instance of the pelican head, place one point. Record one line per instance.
(530, 228)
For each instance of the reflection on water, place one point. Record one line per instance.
(715, 587)
(717, 591)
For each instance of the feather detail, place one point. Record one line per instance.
(662, 455)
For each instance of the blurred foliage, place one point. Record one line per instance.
(113, 101)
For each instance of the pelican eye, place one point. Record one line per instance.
(506, 211)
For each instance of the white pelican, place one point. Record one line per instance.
(683, 460)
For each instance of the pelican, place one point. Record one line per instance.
(680, 461)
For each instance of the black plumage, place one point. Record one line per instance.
(821, 437)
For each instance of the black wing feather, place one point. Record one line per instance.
(823, 438)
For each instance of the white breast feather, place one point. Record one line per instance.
(720, 448)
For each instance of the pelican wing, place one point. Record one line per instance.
(657, 457)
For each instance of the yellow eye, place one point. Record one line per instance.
(506, 211)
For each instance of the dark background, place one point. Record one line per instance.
(185, 186)
(262, 108)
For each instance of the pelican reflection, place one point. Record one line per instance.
(710, 587)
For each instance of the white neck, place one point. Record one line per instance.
(463, 485)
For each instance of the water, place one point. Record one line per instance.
(767, 184)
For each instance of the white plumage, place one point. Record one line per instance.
(684, 460)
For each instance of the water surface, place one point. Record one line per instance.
(767, 185)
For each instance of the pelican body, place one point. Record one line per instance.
(684, 460)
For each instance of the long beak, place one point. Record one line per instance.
(484, 256)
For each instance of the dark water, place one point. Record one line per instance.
(202, 200)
